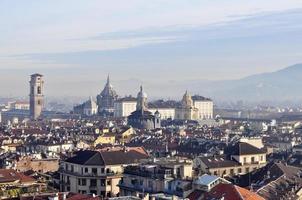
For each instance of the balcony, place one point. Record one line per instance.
(160, 174)
(62, 171)
(135, 187)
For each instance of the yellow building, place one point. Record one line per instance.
(108, 138)
(125, 134)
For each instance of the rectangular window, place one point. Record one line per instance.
(86, 170)
(247, 170)
(239, 170)
(94, 171)
(83, 182)
(108, 182)
(93, 182)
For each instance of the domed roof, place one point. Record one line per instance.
(187, 100)
(108, 89)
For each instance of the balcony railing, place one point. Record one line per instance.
(136, 187)
(89, 174)
(138, 172)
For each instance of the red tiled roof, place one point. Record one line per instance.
(10, 175)
(231, 192)
(195, 195)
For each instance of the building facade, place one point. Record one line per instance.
(36, 96)
(169, 176)
(204, 105)
(123, 107)
(97, 172)
(88, 108)
(165, 113)
(186, 111)
(239, 159)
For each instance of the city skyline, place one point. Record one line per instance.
(77, 45)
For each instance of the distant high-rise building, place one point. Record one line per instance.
(106, 99)
(36, 96)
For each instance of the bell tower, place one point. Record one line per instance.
(36, 95)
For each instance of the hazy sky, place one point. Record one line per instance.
(76, 43)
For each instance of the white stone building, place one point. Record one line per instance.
(125, 106)
(204, 105)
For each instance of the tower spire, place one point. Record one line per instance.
(108, 79)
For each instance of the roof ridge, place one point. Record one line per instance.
(102, 157)
(96, 152)
(235, 186)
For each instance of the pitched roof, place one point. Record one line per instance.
(122, 157)
(218, 162)
(107, 157)
(242, 148)
(231, 192)
(10, 175)
(87, 157)
(196, 194)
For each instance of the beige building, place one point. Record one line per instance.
(186, 111)
(125, 106)
(37, 165)
(36, 96)
(98, 172)
(167, 175)
(240, 158)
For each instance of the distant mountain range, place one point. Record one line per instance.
(282, 85)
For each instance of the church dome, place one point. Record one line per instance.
(187, 100)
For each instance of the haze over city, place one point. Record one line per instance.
(150, 100)
(155, 43)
